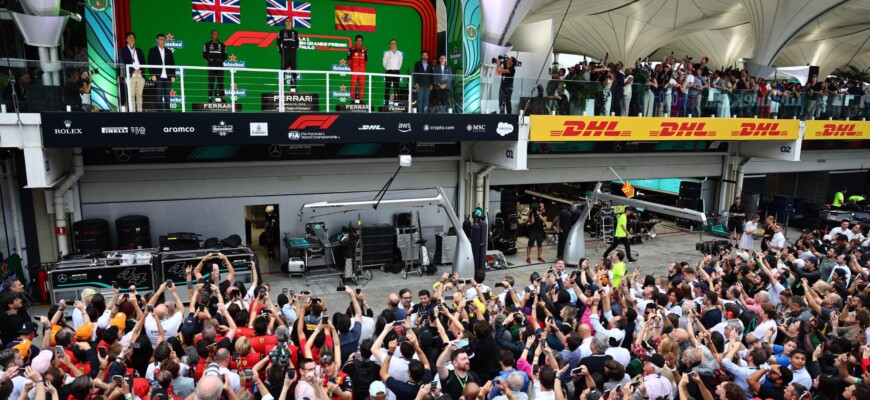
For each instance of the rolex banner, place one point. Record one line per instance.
(60, 129)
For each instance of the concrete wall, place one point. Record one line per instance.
(590, 167)
(210, 200)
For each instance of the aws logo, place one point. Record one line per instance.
(684, 129)
(748, 129)
(839, 130)
(590, 129)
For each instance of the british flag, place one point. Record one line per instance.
(279, 10)
(217, 11)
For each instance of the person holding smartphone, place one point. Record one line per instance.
(453, 382)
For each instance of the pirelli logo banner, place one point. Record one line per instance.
(553, 128)
(837, 130)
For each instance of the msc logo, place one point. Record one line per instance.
(591, 128)
(261, 39)
(669, 129)
(315, 121)
(837, 130)
(759, 129)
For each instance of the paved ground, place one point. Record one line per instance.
(654, 256)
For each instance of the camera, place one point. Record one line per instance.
(502, 60)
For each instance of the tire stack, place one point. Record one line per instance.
(91, 236)
(134, 232)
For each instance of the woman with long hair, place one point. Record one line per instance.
(747, 242)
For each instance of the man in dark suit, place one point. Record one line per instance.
(131, 58)
(163, 77)
(441, 82)
(423, 81)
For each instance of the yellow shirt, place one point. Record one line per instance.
(838, 199)
(618, 272)
(620, 222)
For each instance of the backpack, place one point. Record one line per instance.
(750, 321)
(363, 376)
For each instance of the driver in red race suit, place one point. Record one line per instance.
(357, 57)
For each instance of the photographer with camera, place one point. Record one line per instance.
(507, 70)
(77, 84)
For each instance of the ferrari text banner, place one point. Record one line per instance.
(556, 128)
(837, 130)
(349, 18)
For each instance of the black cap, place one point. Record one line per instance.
(655, 359)
(28, 327)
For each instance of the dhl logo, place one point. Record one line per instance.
(670, 129)
(590, 128)
(838, 130)
(759, 129)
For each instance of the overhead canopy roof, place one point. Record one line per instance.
(827, 33)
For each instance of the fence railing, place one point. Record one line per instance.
(82, 86)
(594, 98)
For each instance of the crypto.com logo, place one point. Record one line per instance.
(309, 121)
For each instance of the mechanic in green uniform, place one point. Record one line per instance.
(839, 199)
(621, 235)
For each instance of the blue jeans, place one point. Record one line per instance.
(162, 86)
(423, 99)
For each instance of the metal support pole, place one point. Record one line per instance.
(410, 92)
(327, 92)
(183, 98)
(233, 89)
(370, 93)
(281, 78)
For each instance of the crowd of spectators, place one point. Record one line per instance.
(680, 88)
(790, 323)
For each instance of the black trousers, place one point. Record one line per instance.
(391, 82)
(560, 250)
(504, 99)
(616, 242)
(289, 60)
(215, 84)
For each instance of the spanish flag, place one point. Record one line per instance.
(628, 189)
(349, 18)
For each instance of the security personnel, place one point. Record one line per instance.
(215, 53)
(621, 235)
(357, 57)
(288, 43)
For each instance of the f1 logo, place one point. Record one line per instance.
(261, 39)
(308, 121)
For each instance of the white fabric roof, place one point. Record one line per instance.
(827, 33)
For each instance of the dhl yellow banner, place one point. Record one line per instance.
(837, 130)
(557, 128)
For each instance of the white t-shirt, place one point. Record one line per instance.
(778, 240)
(170, 327)
(840, 231)
(235, 380)
(367, 328)
(762, 329)
(620, 354)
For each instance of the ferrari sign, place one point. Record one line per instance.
(547, 128)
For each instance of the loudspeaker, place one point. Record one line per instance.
(690, 190)
(44, 98)
(750, 201)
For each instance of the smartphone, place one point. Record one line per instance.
(331, 380)
(448, 297)
(115, 285)
(340, 288)
(136, 346)
(58, 351)
(462, 343)
(118, 380)
(102, 351)
(291, 373)
(358, 291)
(285, 291)
(576, 371)
(149, 308)
(499, 284)
(325, 320)
(305, 293)
(234, 355)
(249, 374)
(170, 283)
(37, 319)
